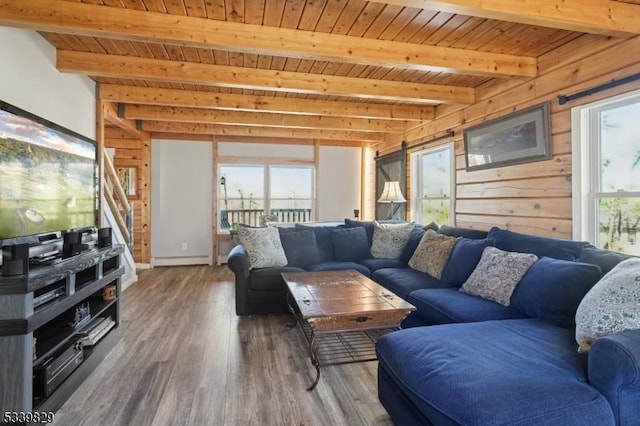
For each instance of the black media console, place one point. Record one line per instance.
(56, 324)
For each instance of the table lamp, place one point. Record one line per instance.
(392, 194)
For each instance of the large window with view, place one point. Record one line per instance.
(249, 194)
(432, 185)
(607, 163)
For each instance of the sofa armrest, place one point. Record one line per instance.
(614, 369)
(238, 261)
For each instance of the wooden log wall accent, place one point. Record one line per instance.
(137, 153)
(536, 197)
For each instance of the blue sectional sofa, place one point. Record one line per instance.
(480, 363)
(463, 359)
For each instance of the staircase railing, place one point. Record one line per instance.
(117, 200)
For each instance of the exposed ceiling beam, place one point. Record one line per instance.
(227, 101)
(256, 139)
(289, 141)
(273, 132)
(110, 111)
(103, 65)
(605, 17)
(199, 115)
(130, 24)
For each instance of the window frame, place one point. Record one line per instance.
(266, 176)
(416, 182)
(586, 159)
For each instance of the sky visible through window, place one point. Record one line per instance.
(436, 179)
(249, 191)
(620, 148)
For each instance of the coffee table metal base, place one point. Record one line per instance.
(337, 347)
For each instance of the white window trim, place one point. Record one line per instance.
(416, 179)
(266, 167)
(582, 124)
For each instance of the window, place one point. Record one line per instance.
(606, 158)
(248, 192)
(432, 183)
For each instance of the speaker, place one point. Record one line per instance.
(71, 244)
(15, 260)
(104, 237)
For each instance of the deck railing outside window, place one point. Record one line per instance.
(251, 217)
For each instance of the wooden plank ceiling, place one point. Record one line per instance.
(303, 71)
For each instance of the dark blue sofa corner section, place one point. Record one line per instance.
(480, 363)
(520, 372)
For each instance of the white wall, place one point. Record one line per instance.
(29, 80)
(265, 150)
(339, 182)
(181, 202)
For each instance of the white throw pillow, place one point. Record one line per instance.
(389, 239)
(497, 274)
(611, 306)
(263, 246)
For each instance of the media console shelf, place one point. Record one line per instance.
(56, 326)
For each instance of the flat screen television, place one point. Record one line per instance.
(48, 178)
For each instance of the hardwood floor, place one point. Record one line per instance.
(187, 359)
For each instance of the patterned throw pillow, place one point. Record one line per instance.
(432, 253)
(389, 239)
(497, 274)
(611, 306)
(263, 246)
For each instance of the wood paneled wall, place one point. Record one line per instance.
(137, 153)
(535, 197)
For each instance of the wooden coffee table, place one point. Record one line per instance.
(342, 313)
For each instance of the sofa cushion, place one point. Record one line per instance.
(285, 229)
(605, 259)
(448, 305)
(497, 274)
(463, 260)
(263, 246)
(389, 239)
(540, 246)
(523, 371)
(340, 266)
(368, 226)
(269, 279)
(403, 281)
(432, 253)
(552, 289)
(350, 244)
(611, 306)
(375, 264)
(454, 231)
(300, 248)
(412, 243)
(323, 240)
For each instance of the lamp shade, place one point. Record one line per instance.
(391, 193)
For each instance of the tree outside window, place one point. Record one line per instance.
(617, 191)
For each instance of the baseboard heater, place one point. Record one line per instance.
(181, 260)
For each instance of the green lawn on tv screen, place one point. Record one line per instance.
(43, 190)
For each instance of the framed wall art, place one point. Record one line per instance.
(517, 138)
